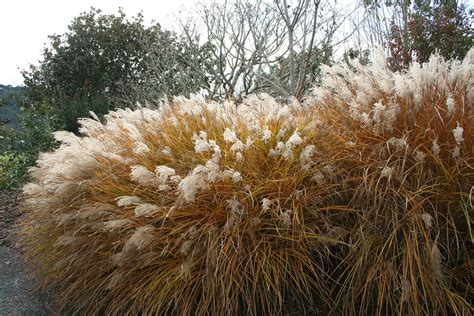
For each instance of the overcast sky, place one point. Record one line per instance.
(25, 25)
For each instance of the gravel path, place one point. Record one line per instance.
(8, 215)
(16, 294)
(16, 288)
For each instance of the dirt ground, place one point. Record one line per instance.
(17, 294)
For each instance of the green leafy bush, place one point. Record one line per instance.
(21, 146)
(107, 61)
(12, 169)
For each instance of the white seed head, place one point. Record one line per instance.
(128, 200)
(167, 151)
(306, 154)
(318, 178)
(427, 219)
(140, 148)
(387, 172)
(201, 145)
(142, 175)
(286, 218)
(116, 224)
(141, 238)
(435, 147)
(398, 143)
(266, 203)
(190, 185)
(294, 140)
(450, 105)
(164, 173)
(236, 177)
(457, 132)
(230, 136)
(147, 209)
(266, 134)
(420, 156)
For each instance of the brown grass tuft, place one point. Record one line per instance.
(358, 201)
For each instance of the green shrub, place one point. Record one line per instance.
(19, 148)
(12, 169)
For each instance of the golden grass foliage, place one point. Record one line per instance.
(358, 201)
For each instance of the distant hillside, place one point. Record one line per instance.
(8, 108)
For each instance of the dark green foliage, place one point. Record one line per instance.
(103, 62)
(5, 91)
(80, 66)
(19, 147)
(446, 26)
(361, 55)
(8, 107)
(12, 169)
(9, 117)
(431, 26)
(97, 64)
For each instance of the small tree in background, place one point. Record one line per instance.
(269, 46)
(102, 59)
(412, 30)
(101, 63)
(79, 67)
(446, 26)
(427, 26)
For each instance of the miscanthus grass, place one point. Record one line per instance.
(359, 200)
(410, 165)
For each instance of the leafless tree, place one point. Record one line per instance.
(243, 35)
(269, 46)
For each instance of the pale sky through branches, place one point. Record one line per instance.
(25, 25)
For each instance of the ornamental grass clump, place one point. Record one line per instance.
(359, 200)
(410, 174)
(194, 208)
